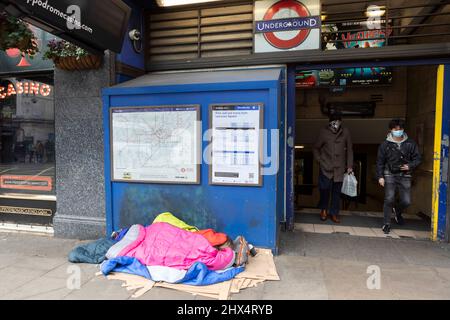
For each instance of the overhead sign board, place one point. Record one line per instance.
(95, 25)
(287, 25)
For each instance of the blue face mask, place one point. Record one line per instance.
(398, 133)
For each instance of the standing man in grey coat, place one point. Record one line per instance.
(334, 152)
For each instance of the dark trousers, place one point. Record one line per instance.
(392, 184)
(326, 187)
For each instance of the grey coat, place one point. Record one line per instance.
(334, 152)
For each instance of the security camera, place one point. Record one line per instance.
(135, 35)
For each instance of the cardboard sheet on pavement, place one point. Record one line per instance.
(258, 269)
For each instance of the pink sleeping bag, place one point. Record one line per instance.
(161, 244)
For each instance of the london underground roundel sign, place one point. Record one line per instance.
(287, 25)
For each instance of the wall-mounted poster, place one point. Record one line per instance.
(236, 144)
(355, 34)
(287, 25)
(160, 144)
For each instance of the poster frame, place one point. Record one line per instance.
(197, 141)
(261, 144)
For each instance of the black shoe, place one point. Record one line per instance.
(398, 218)
(386, 229)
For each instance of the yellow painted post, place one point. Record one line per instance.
(437, 150)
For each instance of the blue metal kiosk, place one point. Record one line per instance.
(252, 211)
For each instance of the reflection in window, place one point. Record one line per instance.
(27, 141)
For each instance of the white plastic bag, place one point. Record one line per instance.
(350, 185)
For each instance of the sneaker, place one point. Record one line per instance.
(398, 218)
(386, 229)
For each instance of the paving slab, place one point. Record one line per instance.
(412, 282)
(7, 259)
(305, 289)
(425, 253)
(349, 280)
(328, 245)
(376, 250)
(381, 234)
(100, 288)
(305, 227)
(364, 232)
(323, 228)
(294, 284)
(15, 277)
(344, 229)
(293, 243)
(404, 233)
(39, 262)
(311, 266)
(42, 286)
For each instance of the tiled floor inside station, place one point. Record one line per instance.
(363, 224)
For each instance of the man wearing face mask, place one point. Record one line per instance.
(397, 157)
(334, 152)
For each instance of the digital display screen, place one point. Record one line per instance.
(364, 76)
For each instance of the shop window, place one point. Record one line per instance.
(27, 145)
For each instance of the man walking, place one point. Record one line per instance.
(334, 152)
(397, 157)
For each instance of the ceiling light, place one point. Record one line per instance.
(170, 3)
(375, 11)
(299, 147)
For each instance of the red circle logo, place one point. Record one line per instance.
(302, 35)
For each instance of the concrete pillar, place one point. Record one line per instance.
(79, 146)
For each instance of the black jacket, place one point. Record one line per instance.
(391, 155)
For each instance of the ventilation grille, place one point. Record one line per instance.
(212, 32)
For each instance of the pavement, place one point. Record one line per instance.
(311, 266)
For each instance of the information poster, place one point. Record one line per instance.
(236, 144)
(156, 144)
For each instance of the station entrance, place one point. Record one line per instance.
(367, 98)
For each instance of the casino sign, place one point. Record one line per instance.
(287, 25)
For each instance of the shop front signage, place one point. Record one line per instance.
(25, 87)
(95, 25)
(287, 25)
(35, 183)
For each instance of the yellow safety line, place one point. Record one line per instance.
(437, 149)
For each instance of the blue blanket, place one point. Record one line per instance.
(197, 275)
